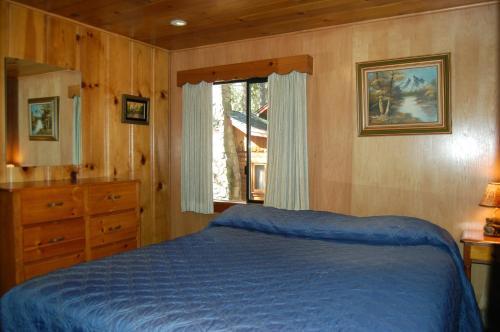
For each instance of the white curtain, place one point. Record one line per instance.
(287, 178)
(196, 173)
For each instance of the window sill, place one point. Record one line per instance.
(221, 206)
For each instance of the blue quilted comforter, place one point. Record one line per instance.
(264, 269)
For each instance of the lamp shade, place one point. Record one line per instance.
(491, 196)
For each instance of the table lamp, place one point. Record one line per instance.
(491, 198)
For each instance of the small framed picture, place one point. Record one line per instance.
(404, 96)
(135, 110)
(43, 118)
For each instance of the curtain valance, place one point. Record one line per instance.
(246, 70)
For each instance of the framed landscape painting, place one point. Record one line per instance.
(135, 110)
(43, 118)
(404, 96)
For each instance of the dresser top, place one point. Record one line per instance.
(485, 240)
(15, 186)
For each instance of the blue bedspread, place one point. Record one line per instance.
(263, 269)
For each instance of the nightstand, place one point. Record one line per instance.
(480, 252)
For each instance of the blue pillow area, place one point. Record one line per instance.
(393, 230)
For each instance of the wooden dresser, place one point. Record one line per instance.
(45, 226)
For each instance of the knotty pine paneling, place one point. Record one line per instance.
(93, 47)
(62, 34)
(142, 85)
(111, 65)
(161, 144)
(435, 177)
(120, 82)
(27, 34)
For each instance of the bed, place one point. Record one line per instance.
(265, 269)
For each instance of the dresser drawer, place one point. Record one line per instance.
(114, 248)
(48, 204)
(483, 254)
(112, 197)
(112, 228)
(54, 238)
(44, 252)
(41, 267)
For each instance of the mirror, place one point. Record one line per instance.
(43, 114)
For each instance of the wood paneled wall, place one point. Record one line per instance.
(436, 177)
(111, 65)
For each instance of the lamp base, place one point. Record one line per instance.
(492, 227)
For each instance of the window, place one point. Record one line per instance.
(240, 140)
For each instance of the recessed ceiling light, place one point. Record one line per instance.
(178, 22)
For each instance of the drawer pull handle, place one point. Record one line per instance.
(54, 204)
(56, 239)
(114, 229)
(114, 197)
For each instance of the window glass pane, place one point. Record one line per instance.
(229, 141)
(258, 140)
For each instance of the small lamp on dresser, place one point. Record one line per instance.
(491, 198)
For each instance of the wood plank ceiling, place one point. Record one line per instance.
(215, 21)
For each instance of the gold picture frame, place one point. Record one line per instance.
(405, 96)
(43, 119)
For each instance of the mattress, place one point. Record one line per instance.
(262, 269)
